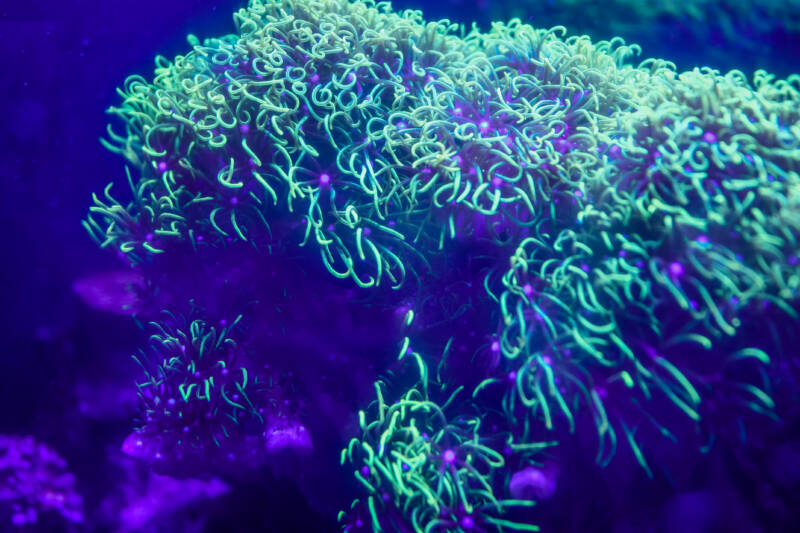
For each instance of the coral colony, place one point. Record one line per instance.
(720, 29)
(449, 255)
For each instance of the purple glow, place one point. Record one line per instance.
(288, 435)
(533, 483)
(527, 289)
(676, 269)
(117, 291)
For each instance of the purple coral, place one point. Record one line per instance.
(34, 482)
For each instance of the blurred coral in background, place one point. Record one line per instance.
(36, 489)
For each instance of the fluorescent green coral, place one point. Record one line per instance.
(638, 220)
(433, 462)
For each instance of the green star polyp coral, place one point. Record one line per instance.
(613, 235)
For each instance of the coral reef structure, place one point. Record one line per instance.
(519, 236)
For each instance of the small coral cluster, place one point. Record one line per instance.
(34, 484)
(196, 382)
(576, 244)
(429, 465)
